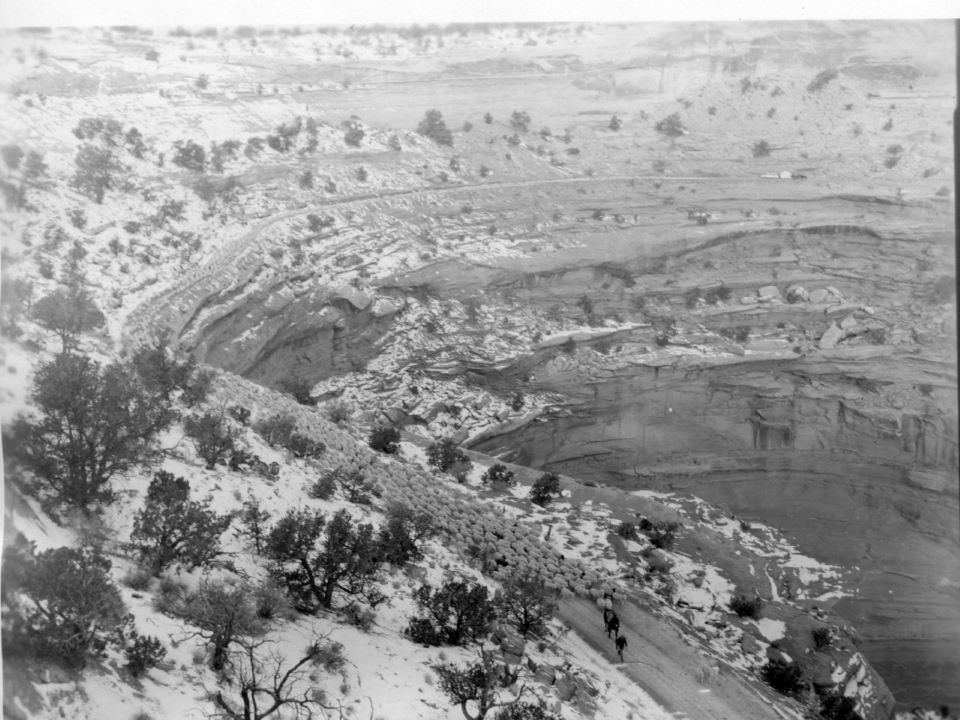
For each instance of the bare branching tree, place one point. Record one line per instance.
(478, 688)
(267, 683)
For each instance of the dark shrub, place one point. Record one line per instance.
(144, 653)
(783, 676)
(404, 533)
(213, 437)
(744, 606)
(671, 126)
(444, 454)
(498, 475)
(305, 447)
(662, 533)
(627, 530)
(459, 611)
(840, 707)
(546, 487)
(520, 121)
(433, 127)
(822, 637)
(353, 132)
(422, 631)
(385, 439)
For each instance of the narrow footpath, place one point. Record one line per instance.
(660, 662)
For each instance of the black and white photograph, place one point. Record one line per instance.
(426, 362)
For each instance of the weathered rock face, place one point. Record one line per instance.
(802, 446)
(277, 334)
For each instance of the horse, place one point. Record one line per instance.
(613, 623)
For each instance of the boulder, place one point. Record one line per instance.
(750, 644)
(545, 674)
(831, 337)
(848, 323)
(796, 293)
(818, 296)
(566, 687)
(658, 561)
(748, 301)
(768, 292)
(819, 666)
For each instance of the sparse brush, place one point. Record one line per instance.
(139, 578)
(744, 606)
(339, 412)
(169, 597)
(330, 657)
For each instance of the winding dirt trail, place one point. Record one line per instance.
(658, 660)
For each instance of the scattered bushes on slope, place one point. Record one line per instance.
(662, 533)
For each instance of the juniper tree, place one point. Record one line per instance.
(171, 528)
(545, 488)
(526, 602)
(459, 611)
(94, 423)
(97, 171)
(214, 437)
(433, 127)
(348, 560)
(404, 533)
(62, 603)
(68, 312)
(222, 613)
